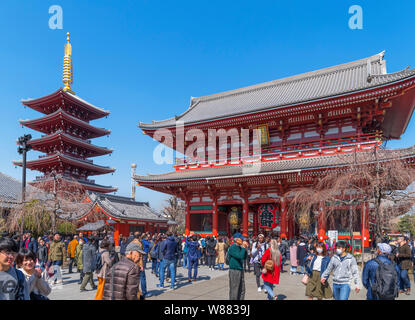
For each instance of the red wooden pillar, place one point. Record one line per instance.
(365, 224)
(117, 233)
(215, 218)
(245, 212)
(290, 226)
(158, 228)
(283, 220)
(255, 217)
(321, 222)
(187, 219)
(228, 227)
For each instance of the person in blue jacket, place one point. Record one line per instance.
(169, 250)
(193, 255)
(369, 270)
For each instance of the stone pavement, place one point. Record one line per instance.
(212, 285)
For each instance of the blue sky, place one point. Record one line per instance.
(143, 60)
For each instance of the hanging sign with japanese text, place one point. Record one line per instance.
(268, 215)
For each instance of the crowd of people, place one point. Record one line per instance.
(30, 267)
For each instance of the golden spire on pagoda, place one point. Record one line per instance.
(67, 67)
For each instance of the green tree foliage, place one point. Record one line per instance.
(407, 224)
(66, 227)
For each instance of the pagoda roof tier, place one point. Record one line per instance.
(307, 88)
(278, 167)
(87, 185)
(59, 117)
(58, 157)
(59, 137)
(66, 100)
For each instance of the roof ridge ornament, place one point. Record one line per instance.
(369, 70)
(67, 77)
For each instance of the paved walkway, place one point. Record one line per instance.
(212, 285)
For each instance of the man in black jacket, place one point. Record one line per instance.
(122, 281)
(283, 249)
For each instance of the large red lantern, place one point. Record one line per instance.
(268, 216)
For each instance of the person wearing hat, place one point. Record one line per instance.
(237, 253)
(370, 268)
(122, 281)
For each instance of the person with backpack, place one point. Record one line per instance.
(283, 249)
(193, 253)
(102, 267)
(57, 254)
(380, 276)
(301, 255)
(89, 261)
(169, 250)
(345, 272)
(154, 256)
(258, 250)
(271, 263)
(13, 285)
(78, 259)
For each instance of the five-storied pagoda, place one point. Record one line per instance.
(67, 134)
(310, 123)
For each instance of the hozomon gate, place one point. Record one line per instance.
(309, 123)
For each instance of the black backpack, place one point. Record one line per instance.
(114, 257)
(154, 251)
(385, 284)
(98, 261)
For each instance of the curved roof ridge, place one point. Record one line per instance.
(400, 72)
(70, 95)
(63, 133)
(246, 99)
(298, 77)
(75, 119)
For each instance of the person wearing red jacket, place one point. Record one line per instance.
(271, 276)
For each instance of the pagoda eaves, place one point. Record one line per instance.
(62, 141)
(66, 101)
(72, 125)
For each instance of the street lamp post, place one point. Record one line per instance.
(57, 210)
(24, 146)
